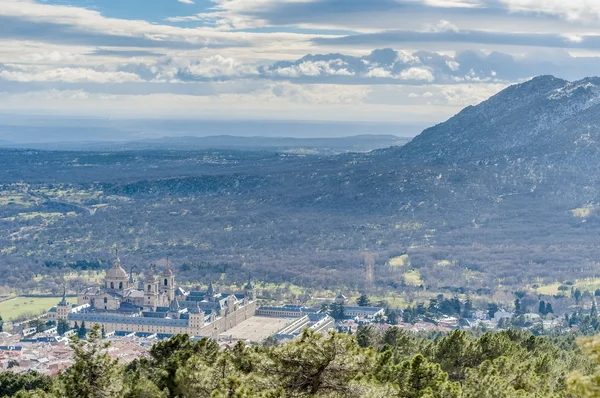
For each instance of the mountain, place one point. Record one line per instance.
(504, 195)
(540, 117)
(320, 146)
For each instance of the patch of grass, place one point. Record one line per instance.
(19, 306)
(583, 212)
(548, 290)
(590, 284)
(33, 215)
(409, 226)
(413, 278)
(400, 261)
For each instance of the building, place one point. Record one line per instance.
(359, 312)
(156, 305)
(286, 311)
(502, 314)
(320, 323)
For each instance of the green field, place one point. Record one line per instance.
(19, 306)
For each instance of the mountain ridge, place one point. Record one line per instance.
(532, 115)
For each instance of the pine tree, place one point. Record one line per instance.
(549, 309)
(518, 307)
(594, 310)
(542, 308)
(468, 308)
(1, 324)
(363, 301)
(82, 331)
(367, 336)
(392, 316)
(336, 310)
(577, 295)
(317, 364)
(492, 309)
(93, 374)
(62, 327)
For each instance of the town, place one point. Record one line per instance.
(133, 315)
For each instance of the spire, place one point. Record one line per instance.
(63, 302)
(150, 275)
(168, 271)
(249, 285)
(117, 262)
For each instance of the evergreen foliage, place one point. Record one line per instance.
(62, 326)
(363, 301)
(508, 364)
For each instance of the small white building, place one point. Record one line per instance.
(481, 315)
(502, 314)
(531, 317)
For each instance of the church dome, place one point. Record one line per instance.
(116, 272)
(167, 272)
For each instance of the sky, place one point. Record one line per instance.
(410, 62)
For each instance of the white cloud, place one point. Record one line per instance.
(70, 75)
(417, 74)
(453, 65)
(442, 26)
(186, 1)
(79, 24)
(334, 67)
(587, 11)
(379, 72)
(407, 58)
(453, 3)
(214, 66)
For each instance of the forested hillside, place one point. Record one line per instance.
(502, 194)
(507, 364)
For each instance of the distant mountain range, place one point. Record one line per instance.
(359, 143)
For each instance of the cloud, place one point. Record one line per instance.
(70, 75)
(586, 11)
(405, 37)
(212, 67)
(186, 1)
(103, 52)
(379, 72)
(382, 66)
(334, 67)
(419, 74)
(28, 20)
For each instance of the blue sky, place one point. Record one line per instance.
(413, 62)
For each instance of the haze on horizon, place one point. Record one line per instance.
(387, 66)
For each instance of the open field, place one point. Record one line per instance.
(400, 261)
(549, 290)
(257, 328)
(17, 307)
(413, 278)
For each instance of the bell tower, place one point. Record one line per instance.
(167, 283)
(150, 290)
(250, 290)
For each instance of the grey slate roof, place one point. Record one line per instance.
(128, 320)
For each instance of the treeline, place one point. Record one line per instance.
(371, 364)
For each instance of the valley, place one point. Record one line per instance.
(471, 205)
